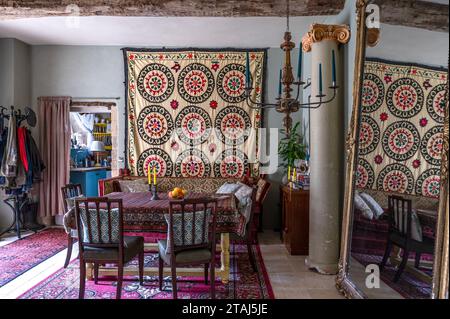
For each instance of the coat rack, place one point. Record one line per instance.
(18, 198)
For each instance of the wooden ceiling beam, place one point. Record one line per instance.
(414, 13)
(159, 8)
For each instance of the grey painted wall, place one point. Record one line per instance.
(414, 45)
(15, 89)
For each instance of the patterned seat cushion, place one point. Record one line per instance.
(103, 236)
(189, 223)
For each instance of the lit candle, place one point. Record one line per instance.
(333, 65)
(149, 175)
(247, 71)
(299, 68)
(289, 173)
(294, 176)
(279, 83)
(154, 175)
(320, 79)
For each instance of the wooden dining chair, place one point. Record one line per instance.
(191, 239)
(400, 234)
(68, 192)
(101, 239)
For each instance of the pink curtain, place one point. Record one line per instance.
(54, 137)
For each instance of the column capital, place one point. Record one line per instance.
(319, 32)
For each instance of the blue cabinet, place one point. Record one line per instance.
(88, 178)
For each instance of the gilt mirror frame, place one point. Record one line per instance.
(344, 284)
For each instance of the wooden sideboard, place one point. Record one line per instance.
(295, 220)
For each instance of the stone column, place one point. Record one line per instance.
(327, 148)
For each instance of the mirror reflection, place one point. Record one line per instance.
(398, 163)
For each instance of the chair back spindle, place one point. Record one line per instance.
(70, 191)
(400, 214)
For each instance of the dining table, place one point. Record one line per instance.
(141, 213)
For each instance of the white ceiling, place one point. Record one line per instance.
(157, 31)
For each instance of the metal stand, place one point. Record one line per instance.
(16, 204)
(154, 191)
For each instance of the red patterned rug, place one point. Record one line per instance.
(244, 283)
(21, 255)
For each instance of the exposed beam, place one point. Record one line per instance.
(414, 13)
(217, 8)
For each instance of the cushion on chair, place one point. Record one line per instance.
(187, 256)
(198, 223)
(104, 222)
(228, 188)
(132, 246)
(376, 209)
(134, 185)
(362, 206)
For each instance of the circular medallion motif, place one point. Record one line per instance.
(155, 82)
(396, 178)
(155, 125)
(372, 93)
(195, 83)
(193, 125)
(231, 83)
(364, 174)
(232, 125)
(428, 183)
(404, 98)
(431, 145)
(436, 103)
(231, 164)
(192, 163)
(155, 157)
(369, 135)
(401, 140)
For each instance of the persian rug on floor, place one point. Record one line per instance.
(409, 286)
(21, 255)
(244, 283)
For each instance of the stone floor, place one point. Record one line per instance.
(289, 276)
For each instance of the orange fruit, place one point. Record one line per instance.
(184, 191)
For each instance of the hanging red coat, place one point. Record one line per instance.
(21, 141)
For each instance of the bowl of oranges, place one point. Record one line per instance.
(178, 193)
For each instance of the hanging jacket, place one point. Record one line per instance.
(35, 162)
(21, 142)
(3, 140)
(10, 157)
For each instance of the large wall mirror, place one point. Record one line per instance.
(395, 228)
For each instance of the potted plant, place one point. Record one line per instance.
(292, 148)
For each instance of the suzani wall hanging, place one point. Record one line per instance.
(401, 131)
(186, 112)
